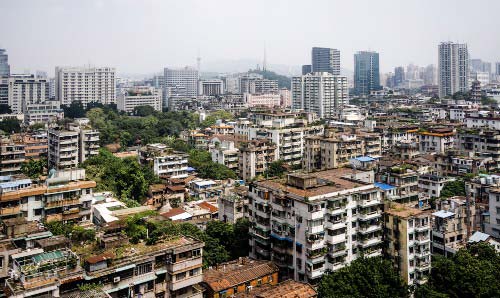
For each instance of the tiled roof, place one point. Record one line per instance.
(100, 258)
(235, 273)
(286, 289)
(208, 206)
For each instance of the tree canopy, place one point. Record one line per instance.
(275, 169)
(201, 160)
(126, 178)
(283, 81)
(453, 188)
(364, 277)
(10, 125)
(34, 168)
(471, 272)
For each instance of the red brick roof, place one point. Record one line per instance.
(208, 206)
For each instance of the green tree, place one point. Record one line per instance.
(74, 110)
(275, 169)
(143, 111)
(283, 81)
(453, 188)
(364, 277)
(34, 168)
(10, 125)
(471, 272)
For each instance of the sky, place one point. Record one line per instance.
(143, 36)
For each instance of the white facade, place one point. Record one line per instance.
(453, 68)
(185, 79)
(268, 100)
(85, 84)
(25, 90)
(320, 93)
(140, 96)
(493, 227)
(210, 87)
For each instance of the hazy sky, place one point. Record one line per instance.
(144, 36)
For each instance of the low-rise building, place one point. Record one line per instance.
(436, 140)
(238, 276)
(431, 185)
(164, 161)
(255, 157)
(450, 226)
(129, 99)
(407, 232)
(493, 227)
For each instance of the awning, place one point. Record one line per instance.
(125, 268)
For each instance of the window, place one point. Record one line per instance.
(143, 268)
(180, 276)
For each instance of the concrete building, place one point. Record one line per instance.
(449, 227)
(164, 161)
(85, 84)
(493, 227)
(286, 98)
(314, 223)
(48, 112)
(262, 99)
(63, 149)
(4, 64)
(436, 140)
(238, 276)
(366, 73)
(12, 157)
(129, 99)
(405, 178)
(255, 157)
(408, 240)
(399, 76)
(4, 90)
(321, 93)
(255, 84)
(185, 78)
(431, 185)
(233, 207)
(307, 68)
(453, 68)
(210, 87)
(325, 60)
(224, 151)
(26, 90)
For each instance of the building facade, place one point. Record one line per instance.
(325, 60)
(85, 84)
(129, 99)
(453, 68)
(366, 73)
(321, 93)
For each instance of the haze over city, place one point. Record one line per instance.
(141, 37)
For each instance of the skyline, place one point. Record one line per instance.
(169, 34)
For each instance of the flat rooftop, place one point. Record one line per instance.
(402, 211)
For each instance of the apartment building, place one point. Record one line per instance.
(262, 100)
(35, 144)
(85, 84)
(332, 150)
(287, 132)
(60, 198)
(313, 223)
(25, 90)
(431, 185)
(392, 135)
(437, 140)
(321, 93)
(224, 151)
(493, 226)
(239, 276)
(47, 112)
(63, 149)
(169, 268)
(164, 161)
(234, 206)
(181, 82)
(129, 99)
(450, 225)
(210, 87)
(408, 239)
(479, 142)
(255, 157)
(12, 156)
(257, 85)
(405, 178)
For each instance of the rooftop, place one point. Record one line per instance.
(230, 274)
(402, 211)
(286, 289)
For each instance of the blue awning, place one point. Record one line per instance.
(364, 158)
(384, 186)
(281, 238)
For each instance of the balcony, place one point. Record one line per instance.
(185, 264)
(420, 228)
(315, 215)
(369, 229)
(422, 240)
(335, 239)
(369, 215)
(315, 273)
(186, 282)
(335, 225)
(370, 241)
(10, 210)
(368, 203)
(62, 203)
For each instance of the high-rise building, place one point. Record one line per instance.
(399, 76)
(366, 72)
(26, 90)
(325, 60)
(4, 63)
(182, 79)
(4, 90)
(497, 68)
(321, 93)
(307, 68)
(453, 68)
(210, 87)
(85, 84)
(430, 75)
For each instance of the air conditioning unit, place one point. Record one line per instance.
(116, 279)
